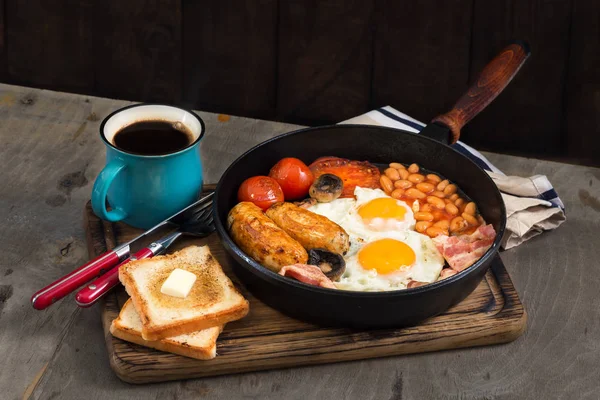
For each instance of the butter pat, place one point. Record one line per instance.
(179, 283)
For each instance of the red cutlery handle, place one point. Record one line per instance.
(68, 283)
(95, 290)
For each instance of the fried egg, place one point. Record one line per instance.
(390, 260)
(385, 251)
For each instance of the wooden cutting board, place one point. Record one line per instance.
(267, 339)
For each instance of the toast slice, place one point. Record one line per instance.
(201, 345)
(212, 301)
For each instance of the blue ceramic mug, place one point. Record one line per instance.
(143, 190)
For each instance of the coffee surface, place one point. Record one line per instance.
(153, 138)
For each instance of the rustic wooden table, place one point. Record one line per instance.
(50, 154)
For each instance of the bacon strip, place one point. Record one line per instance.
(463, 251)
(310, 274)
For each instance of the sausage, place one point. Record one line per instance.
(313, 231)
(261, 239)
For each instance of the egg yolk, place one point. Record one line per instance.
(383, 207)
(386, 256)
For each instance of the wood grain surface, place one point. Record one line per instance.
(534, 122)
(324, 59)
(267, 339)
(50, 153)
(315, 62)
(230, 57)
(582, 102)
(140, 56)
(51, 44)
(421, 77)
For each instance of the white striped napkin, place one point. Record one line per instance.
(532, 204)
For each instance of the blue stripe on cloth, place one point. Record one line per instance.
(410, 123)
(549, 195)
(482, 164)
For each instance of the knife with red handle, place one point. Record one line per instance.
(95, 290)
(68, 283)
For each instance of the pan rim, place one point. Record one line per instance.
(273, 276)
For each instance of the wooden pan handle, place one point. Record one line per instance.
(491, 82)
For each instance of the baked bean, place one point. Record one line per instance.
(434, 231)
(397, 193)
(471, 220)
(453, 197)
(457, 224)
(451, 209)
(414, 194)
(425, 187)
(423, 216)
(392, 173)
(426, 207)
(448, 201)
(438, 193)
(421, 226)
(470, 208)
(459, 202)
(442, 185)
(450, 189)
(416, 178)
(397, 165)
(413, 168)
(434, 178)
(443, 224)
(402, 184)
(446, 273)
(436, 202)
(403, 173)
(386, 184)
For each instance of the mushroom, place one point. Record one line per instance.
(332, 264)
(326, 188)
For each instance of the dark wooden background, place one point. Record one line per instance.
(315, 62)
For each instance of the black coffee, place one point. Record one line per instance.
(153, 138)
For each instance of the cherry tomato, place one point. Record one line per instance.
(260, 190)
(293, 176)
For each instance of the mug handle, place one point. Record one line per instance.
(105, 178)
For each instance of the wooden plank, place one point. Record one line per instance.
(229, 56)
(582, 119)
(421, 64)
(267, 339)
(325, 50)
(3, 69)
(527, 116)
(49, 44)
(137, 50)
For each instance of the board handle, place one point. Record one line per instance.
(491, 82)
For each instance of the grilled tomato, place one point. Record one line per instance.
(260, 190)
(293, 176)
(352, 173)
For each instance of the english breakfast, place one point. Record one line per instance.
(345, 224)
